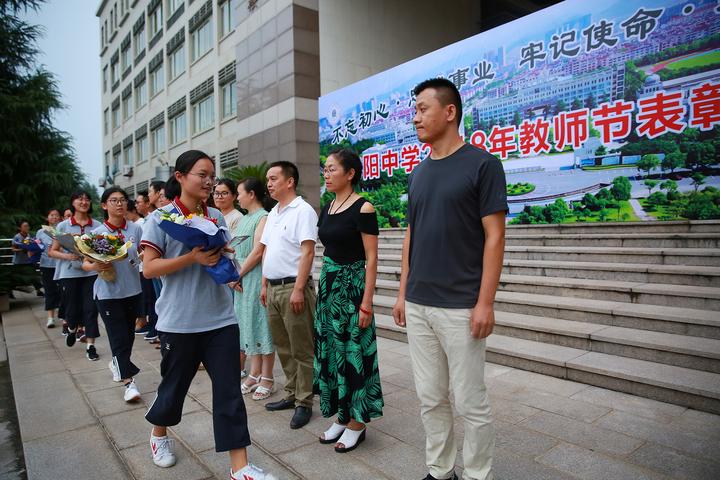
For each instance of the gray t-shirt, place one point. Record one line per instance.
(127, 280)
(190, 301)
(73, 268)
(446, 203)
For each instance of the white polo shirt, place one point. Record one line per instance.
(284, 233)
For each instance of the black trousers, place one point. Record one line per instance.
(52, 288)
(119, 316)
(219, 351)
(148, 302)
(80, 308)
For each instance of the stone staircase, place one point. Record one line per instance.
(634, 307)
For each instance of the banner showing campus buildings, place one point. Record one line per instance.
(599, 111)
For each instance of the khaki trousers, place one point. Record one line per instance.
(444, 355)
(293, 338)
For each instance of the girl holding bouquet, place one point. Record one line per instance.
(196, 323)
(118, 300)
(76, 283)
(24, 254)
(47, 270)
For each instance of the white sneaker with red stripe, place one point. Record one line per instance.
(162, 451)
(251, 472)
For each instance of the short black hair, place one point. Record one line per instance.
(289, 170)
(143, 194)
(447, 93)
(75, 196)
(157, 185)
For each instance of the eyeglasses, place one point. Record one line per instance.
(205, 178)
(329, 171)
(117, 201)
(221, 194)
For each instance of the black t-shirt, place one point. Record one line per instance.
(446, 203)
(340, 233)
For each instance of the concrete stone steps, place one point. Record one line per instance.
(632, 272)
(675, 320)
(680, 350)
(703, 298)
(654, 240)
(701, 276)
(681, 226)
(709, 257)
(682, 386)
(706, 257)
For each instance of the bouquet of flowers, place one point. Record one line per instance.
(32, 245)
(66, 240)
(196, 230)
(103, 247)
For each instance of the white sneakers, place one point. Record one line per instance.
(50, 323)
(251, 472)
(132, 394)
(115, 371)
(162, 451)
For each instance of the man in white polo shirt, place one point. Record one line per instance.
(287, 289)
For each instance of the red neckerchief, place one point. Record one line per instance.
(186, 211)
(82, 227)
(113, 228)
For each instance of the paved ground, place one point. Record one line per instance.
(74, 423)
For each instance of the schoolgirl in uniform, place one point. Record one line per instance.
(118, 301)
(76, 283)
(196, 323)
(47, 271)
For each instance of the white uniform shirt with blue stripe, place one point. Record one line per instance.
(45, 260)
(67, 268)
(190, 300)
(127, 280)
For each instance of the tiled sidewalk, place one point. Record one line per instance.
(74, 423)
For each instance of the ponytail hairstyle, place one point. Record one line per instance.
(106, 194)
(259, 188)
(184, 163)
(349, 160)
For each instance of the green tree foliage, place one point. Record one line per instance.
(517, 118)
(697, 180)
(648, 162)
(601, 150)
(674, 160)
(634, 80)
(699, 154)
(650, 184)
(657, 199)
(39, 167)
(560, 106)
(590, 101)
(700, 206)
(576, 104)
(247, 171)
(621, 188)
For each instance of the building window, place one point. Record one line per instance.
(229, 100)
(204, 114)
(157, 81)
(155, 20)
(116, 163)
(202, 40)
(173, 5)
(128, 156)
(140, 42)
(125, 60)
(141, 95)
(116, 117)
(115, 72)
(178, 128)
(105, 78)
(127, 107)
(106, 164)
(158, 140)
(141, 144)
(227, 17)
(177, 63)
(102, 37)
(106, 121)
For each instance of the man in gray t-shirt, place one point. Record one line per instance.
(452, 259)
